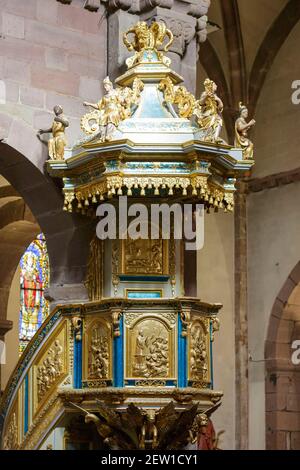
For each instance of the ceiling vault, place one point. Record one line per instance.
(270, 47)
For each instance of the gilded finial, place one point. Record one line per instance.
(146, 40)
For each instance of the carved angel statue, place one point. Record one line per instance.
(147, 38)
(208, 111)
(241, 133)
(58, 142)
(114, 107)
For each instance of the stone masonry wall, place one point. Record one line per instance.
(50, 53)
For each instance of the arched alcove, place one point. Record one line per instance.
(282, 372)
(22, 162)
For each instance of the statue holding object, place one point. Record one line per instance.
(58, 142)
(241, 133)
(114, 107)
(208, 111)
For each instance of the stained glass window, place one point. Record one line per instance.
(34, 279)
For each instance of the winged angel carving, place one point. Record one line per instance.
(165, 429)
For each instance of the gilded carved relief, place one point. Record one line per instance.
(10, 441)
(94, 280)
(151, 353)
(97, 351)
(199, 351)
(148, 257)
(50, 370)
(150, 348)
(51, 367)
(179, 96)
(98, 354)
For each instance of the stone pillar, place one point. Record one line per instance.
(5, 326)
(186, 18)
(241, 319)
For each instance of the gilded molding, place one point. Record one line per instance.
(94, 279)
(215, 327)
(51, 367)
(42, 422)
(77, 326)
(199, 351)
(10, 439)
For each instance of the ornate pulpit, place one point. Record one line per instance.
(139, 354)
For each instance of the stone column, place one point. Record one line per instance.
(186, 18)
(5, 326)
(241, 319)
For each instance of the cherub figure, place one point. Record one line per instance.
(58, 142)
(208, 111)
(241, 133)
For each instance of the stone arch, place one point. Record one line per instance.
(282, 376)
(22, 163)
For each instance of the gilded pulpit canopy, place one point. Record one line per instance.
(149, 136)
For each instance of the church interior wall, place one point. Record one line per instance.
(273, 218)
(216, 284)
(50, 53)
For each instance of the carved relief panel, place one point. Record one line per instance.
(199, 352)
(145, 257)
(150, 346)
(51, 367)
(97, 354)
(11, 431)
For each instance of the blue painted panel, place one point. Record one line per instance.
(118, 359)
(182, 356)
(77, 376)
(144, 295)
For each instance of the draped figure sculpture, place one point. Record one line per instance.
(241, 133)
(208, 111)
(58, 142)
(115, 106)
